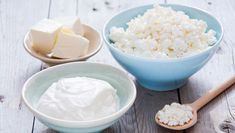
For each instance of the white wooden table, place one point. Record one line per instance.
(16, 18)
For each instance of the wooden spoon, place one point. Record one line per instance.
(198, 104)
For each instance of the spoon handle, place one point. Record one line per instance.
(198, 104)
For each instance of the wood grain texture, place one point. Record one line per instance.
(16, 65)
(98, 14)
(16, 17)
(60, 8)
(147, 104)
(217, 115)
(57, 8)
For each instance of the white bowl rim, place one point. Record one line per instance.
(54, 60)
(80, 124)
(189, 57)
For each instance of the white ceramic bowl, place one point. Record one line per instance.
(90, 33)
(35, 86)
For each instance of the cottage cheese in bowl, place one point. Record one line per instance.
(162, 32)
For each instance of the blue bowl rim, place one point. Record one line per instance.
(79, 124)
(167, 59)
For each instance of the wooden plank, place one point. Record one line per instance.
(60, 8)
(57, 8)
(222, 10)
(147, 104)
(98, 14)
(16, 65)
(219, 68)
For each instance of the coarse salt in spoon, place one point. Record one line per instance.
(197, 105)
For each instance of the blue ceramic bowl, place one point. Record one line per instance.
(162, 74)
(35, 86)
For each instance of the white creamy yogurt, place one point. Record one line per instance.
(175, 114)
(79, 99)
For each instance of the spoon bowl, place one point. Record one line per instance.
(180, 127)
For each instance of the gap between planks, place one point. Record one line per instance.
(16, 64)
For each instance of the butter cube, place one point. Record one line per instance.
(77, 27)
(70, 45)
(44, 35)
(73, 24)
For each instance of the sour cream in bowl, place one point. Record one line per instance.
(76, 98)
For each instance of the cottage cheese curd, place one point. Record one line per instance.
(175, 114)
(162, 32)
(79, 99)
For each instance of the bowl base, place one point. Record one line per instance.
(162, 86)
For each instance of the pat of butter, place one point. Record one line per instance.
(77, 27)
(44, 35)
(73, 24)
(70, 45)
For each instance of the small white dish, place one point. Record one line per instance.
(35, 86)
(90, 33)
